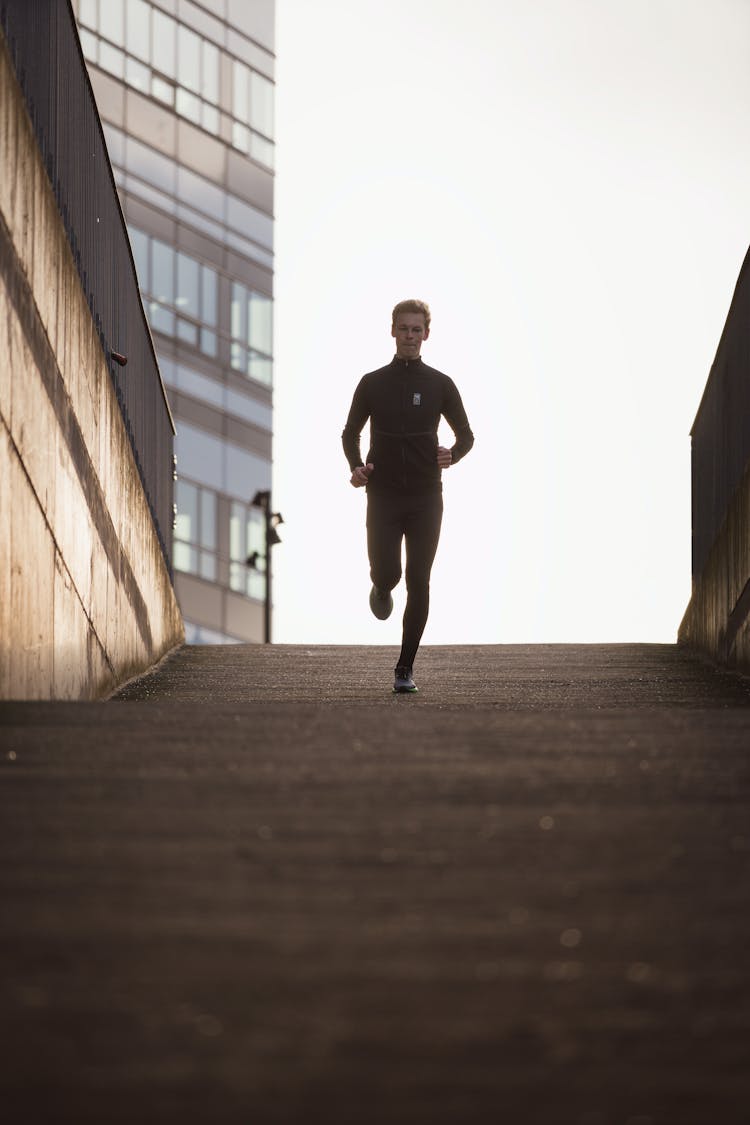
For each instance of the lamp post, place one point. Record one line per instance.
(262, 500)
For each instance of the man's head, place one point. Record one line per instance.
(410, 325)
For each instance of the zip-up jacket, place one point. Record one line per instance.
(404, 402)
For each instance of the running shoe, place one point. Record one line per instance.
(381, 603)
(403, 682)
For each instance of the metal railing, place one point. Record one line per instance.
(43, 41)
(721, 431)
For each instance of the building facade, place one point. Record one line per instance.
(186, 96)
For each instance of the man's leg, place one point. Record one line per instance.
(422, 535)
(385, 531)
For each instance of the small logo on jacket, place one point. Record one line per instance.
(416, 399)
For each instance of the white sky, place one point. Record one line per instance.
(567, 183)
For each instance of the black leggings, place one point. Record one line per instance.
(391, 518)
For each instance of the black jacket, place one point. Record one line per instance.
(404, 402)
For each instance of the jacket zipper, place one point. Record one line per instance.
(403, 424)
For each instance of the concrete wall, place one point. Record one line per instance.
(717, 621)
(85, 596)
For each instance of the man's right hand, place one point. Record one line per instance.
(360, 475)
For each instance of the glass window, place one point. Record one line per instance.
(260, 368)
(240, 137)
(238, 357)
(164, 44)
(251, 250)
(200, 193)
(137, 29)
(186, 524)
(111, 21)
(209, 118)
(261, 104)
(210, 82)
(162, 271)
(195, 524)
(249, 409)
(237, 532)
(208, 26)
(241, 92)
(188, 59)
(249, 221)
(200, 455)
(111, 59)
(201, 222)
(260, 334)
(207, 566)
(137, 75)
(246, 536)
(187, 332)
(115, 143)
(162, 90)
(150, 165)
(251, 328)
(158, 198)
(261, 150)
(238, 569)
(209, 285)
(139, 245)
(208, 519)
(168, 370)
(188, 105)
(208, 342)
(255, 531)
(246, 472)
(238, 577)
(160, 319)
(184, 557)
(238, 311)
(188, 295)
(87, 13)
(200, 386)
(89, 45)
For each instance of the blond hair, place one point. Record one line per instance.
(412, 306)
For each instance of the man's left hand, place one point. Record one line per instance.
(444, 457)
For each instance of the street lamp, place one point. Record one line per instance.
(262, 500)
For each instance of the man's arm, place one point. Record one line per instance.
(455, 415)
(359, 412)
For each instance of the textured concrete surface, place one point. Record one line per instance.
(85, 595)
(259, 888)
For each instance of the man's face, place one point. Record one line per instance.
(409, 330)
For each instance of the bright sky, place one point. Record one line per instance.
(567, 183)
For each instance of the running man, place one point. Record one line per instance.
(404, 402)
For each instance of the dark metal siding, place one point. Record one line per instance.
(721, 431)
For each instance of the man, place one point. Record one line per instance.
(404, 402)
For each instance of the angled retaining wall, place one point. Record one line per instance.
(86, 599)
